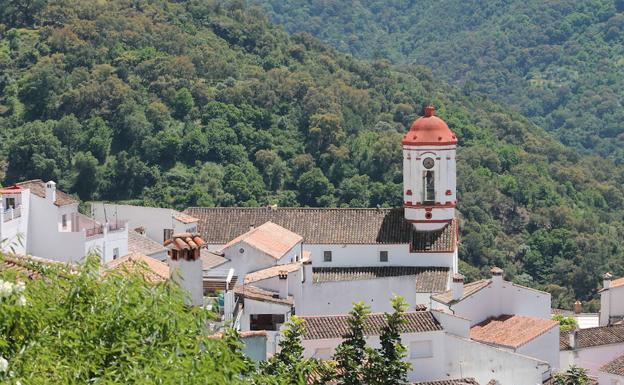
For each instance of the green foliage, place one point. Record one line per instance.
(197, 103)
(386, 366)
(558, 63)
(573, 376)
(565, 323)
(288, 364)
(76, 328)
(351, 353)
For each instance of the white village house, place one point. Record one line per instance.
(38, 219)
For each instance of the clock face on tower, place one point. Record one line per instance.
(428, 163)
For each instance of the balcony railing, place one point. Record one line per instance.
(12, 213)
(94, 231)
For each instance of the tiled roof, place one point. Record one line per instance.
(252, 292)
(27, 265)
(37, 187)
(151, 269)
(324, 226)
(461, 381)
(211, 260)
(428, 279)
(184, 241)
(511, 331)
(271, 272)
(270, 238)
(469, 289)
(184, 218)
(597, 336)
(138, 243)
(553, 381)
(617, 282)
(336, 326)
(614, 367)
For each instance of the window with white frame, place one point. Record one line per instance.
(383, 256)
(420, 349)
(327, 256)
(64, 221)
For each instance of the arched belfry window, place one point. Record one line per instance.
(429, 187)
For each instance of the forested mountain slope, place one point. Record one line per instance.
(561, 63)
(199, 103)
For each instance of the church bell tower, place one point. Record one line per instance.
(429, 173)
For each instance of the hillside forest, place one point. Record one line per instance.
(206, 103)
(560, 63)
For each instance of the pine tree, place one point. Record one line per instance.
(386, 365)
(351, 353)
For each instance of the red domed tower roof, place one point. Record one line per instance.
(429, 130)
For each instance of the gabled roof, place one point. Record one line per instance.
(336, 326)
(428, 279)
(258, 294)
(469, 289)
(271, 272)
(219, 225)
(597, 336)
(270, 238)
(151, 269)
(138, 243)
(616, 283)
(37, 187)
(511, 331)
(614, 367)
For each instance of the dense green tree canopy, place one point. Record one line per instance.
(559, 62)
(206, 103)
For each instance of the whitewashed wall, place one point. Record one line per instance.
(611, 304)
(467, 358)
(154, 219)
(493, 301)
(544, 348)
(250, 260)
(189, 275)
(14, 233)
(610, 379)
(591, 358)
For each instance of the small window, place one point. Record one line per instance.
(64, 221)
(420, 349)
(116, 253)
(383, 256)
(10, 203)
(327, 256)
(429, 185)
(241, 250)
(167, 234)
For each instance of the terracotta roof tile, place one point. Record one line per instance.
(28, 265)
(255, 293)
(37, 187)
(271, 272)
(269, 238)
(151, 269)
(596, 336)
(460, 381)
(138, 243)
(336, 326)
(325, 226)
(511, 331)
(469, 289)
(428, 279)
(184, 218)
(617, 282)
(614, 367)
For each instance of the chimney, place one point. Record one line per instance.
(185, 264)
(497, 277)
(251, 226)
(606, 280)
(572, 339)
(283, 284)
(429, 111)
(578, 307)
(457, 286)
(50, 191)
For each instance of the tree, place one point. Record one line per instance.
(573, 376)
(183, 103)
(78, 327)
(86, 180)
(565, 323)
(351, 353)
(388, 367)
(289, 362)
(313, 185)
